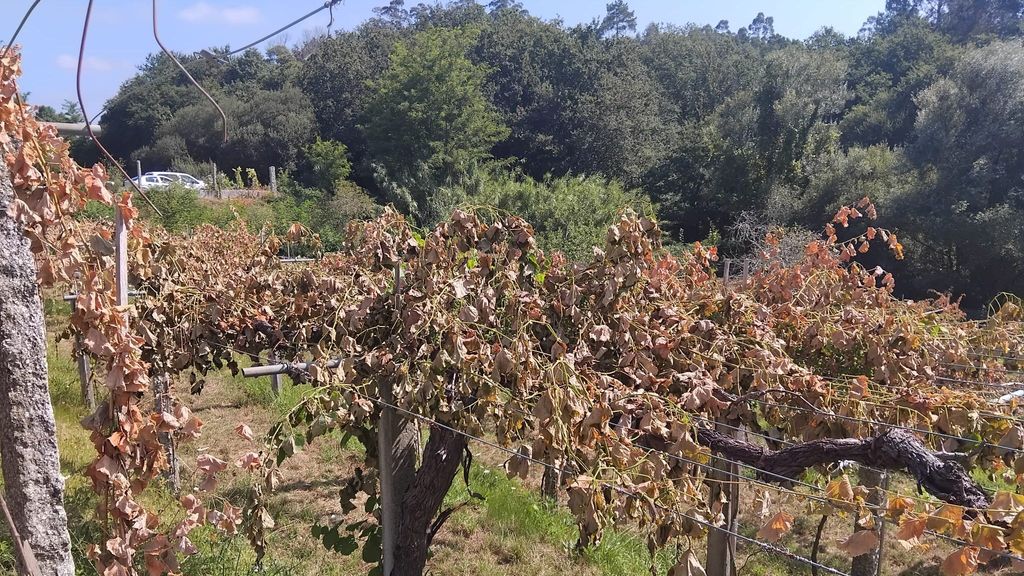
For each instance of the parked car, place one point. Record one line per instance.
(151, 181)
(181, 178)
(156, 179)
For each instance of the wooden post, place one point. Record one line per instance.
(88, 392)
(273, 180)
(158, 382)
(725, 495)
(389, 510)
(746, 270)
(275, 379)
(385, 442)
(870, 564)
(161, 384)
(121, 249)
(881, 524)
(22, 549)
(397, 445)
(728, 270)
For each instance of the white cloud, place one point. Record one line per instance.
(91, 63)
(207, 13)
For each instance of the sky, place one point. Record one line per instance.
(121, 33)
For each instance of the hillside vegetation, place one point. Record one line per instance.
(923, 111)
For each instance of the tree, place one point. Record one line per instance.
(266, 128)
(699, 69)
(161, 100)
(761, 28)
(534, 68)
(272, 128)
(337, 78)
(618, 126)
(454, 14)
(618, 19)
(886, 72)
(33, 485)
(964, 217)
(967, 19)
(69, 112)
(428, 122)
(496, 6)
(394, 13)
(144, 103)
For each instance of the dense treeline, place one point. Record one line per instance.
(439, 105)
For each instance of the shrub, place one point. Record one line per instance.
(329, 163)
(570, 214)
(179, 208)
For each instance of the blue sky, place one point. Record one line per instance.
(120, 34)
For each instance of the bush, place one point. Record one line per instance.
(97, 211)
(569, 214)
(179, 208)
(350, 202)
(201, 170)
(329, 163)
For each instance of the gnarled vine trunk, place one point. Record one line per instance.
(893, 449)
(28, 434)
(441, 459)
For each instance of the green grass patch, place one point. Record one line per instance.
(520, 518)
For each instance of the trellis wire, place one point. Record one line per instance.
(765, 545)
(329, 4)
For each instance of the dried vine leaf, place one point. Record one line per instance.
(776, 527)
(860, 542)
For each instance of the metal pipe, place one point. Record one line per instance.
(67, 129)
(74, 295)
(284, 367)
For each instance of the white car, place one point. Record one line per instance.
(157, 179)
(181, 178)
(150, 181)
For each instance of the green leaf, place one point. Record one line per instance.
(331, 538)
(420, 241)
(371, 548)
(346, 545)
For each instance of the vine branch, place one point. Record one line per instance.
(894, 449)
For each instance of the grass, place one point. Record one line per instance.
(523, 533)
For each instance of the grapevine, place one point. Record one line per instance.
(612, 371)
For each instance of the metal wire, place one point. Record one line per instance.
(88, 127)
(156, 36)
(988, 354)
(21, 25)
(765, 545)
(329, 4)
